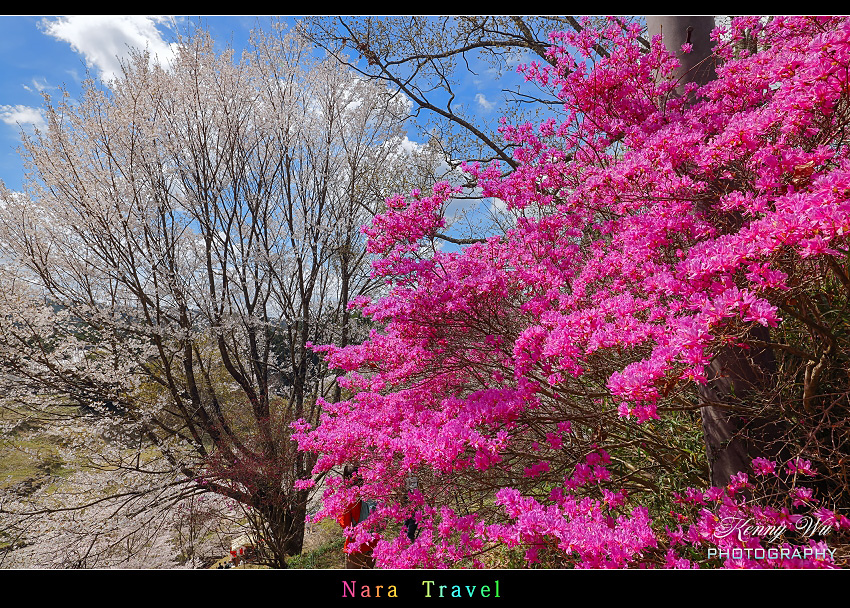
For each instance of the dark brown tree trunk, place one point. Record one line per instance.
(281, 528)
(733, 438)
(298, 514)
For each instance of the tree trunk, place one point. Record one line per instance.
(280, 525)
(731, 439)
(295, 541)
(696, 66)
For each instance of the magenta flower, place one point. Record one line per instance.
(798, 465)
(763, 466)
(802, 496)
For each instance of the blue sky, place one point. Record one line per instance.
(46, 54)
(41, 54)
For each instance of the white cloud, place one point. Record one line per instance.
(409, 146)
(482, 101)
(23, 115)
(498, 206)
(104, 39)
(39, 85)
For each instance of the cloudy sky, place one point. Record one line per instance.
(42, 54)
(45, 54)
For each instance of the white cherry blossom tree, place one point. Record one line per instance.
(184, 232)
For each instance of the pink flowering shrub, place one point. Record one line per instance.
(541, 384)
(741, 532)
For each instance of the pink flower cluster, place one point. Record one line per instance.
(620, 257)
(743, 533)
